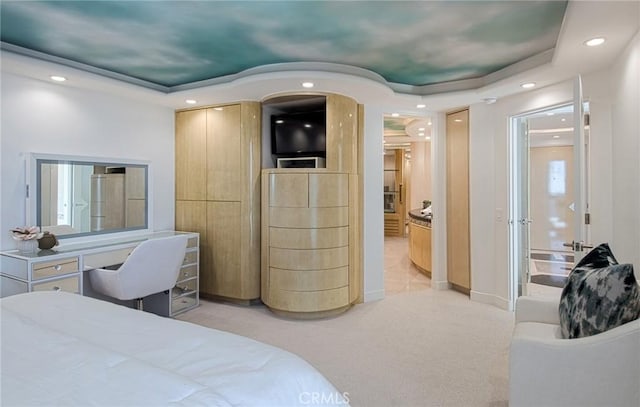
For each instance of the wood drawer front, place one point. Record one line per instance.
(316, 259)
(106, 259)
(69, 284)
(312, 301)
(289, 190)
(54, 268)
(288, 238)
(309, 280)
(309, 217)
(328, 190)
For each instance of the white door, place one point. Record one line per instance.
(548, 205)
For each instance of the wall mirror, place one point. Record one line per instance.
(73, 197)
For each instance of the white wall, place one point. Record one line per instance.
(43, 117)
(373, 244)
(626, 155)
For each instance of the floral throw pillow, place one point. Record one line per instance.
(600, 294)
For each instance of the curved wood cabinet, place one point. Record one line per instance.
(305, 241)
(420, 246)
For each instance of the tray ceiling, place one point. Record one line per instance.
(171, 45)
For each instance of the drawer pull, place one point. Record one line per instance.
(186, 274)
(57, 267)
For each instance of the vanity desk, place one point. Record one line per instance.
(62, 269)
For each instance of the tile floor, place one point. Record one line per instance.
(400, 275)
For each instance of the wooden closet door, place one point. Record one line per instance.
(224, 277)
(458, 240)
(224, 160)
(191, 155)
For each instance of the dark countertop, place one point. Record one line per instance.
(418, 218)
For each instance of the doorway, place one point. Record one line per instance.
(407, 185)
(549, 197)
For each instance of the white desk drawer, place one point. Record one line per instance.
(183, 303)
(69, 284)
(184, 287)
(188, 272)
(191, 257)
(54, 268)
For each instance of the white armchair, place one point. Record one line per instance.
(546, 370)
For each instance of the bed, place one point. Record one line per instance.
(66, 349)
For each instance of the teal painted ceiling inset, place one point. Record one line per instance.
(173, 43)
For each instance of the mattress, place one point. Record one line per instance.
(66, 349)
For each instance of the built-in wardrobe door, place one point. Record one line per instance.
(224, 278)
(458, 231)
(191, 155)
(342, 134)
(224, 165)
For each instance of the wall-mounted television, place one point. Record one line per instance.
(299, 134)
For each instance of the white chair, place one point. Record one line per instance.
(546, 370)
(152, 267)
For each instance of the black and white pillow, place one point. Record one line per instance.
(600, 294)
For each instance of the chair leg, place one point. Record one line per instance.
(139, 304)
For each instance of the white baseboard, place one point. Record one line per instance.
(373, 295)
(491, 299)
(440, 285)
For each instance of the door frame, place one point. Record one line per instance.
(515, 248)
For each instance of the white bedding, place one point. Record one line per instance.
(64, 349)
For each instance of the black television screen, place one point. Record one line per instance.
(298, 134)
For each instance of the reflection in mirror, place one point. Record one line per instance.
(77, 198)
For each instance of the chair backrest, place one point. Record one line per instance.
(152, 267)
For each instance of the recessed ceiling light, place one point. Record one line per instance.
(563, 120)
(429, 124)
(421, 129)
(550, 113)
(427, 138)
(395, 114)
(528, 85)
(307, 84)
(421, 106)
(218, 108)
(421, 134)
(190, 101)
(594, 42)
(58, 78)
(556, 136)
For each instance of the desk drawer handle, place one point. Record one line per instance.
(57, 267)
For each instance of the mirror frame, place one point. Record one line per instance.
(33, 191)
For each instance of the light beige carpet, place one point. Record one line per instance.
(422, 348)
